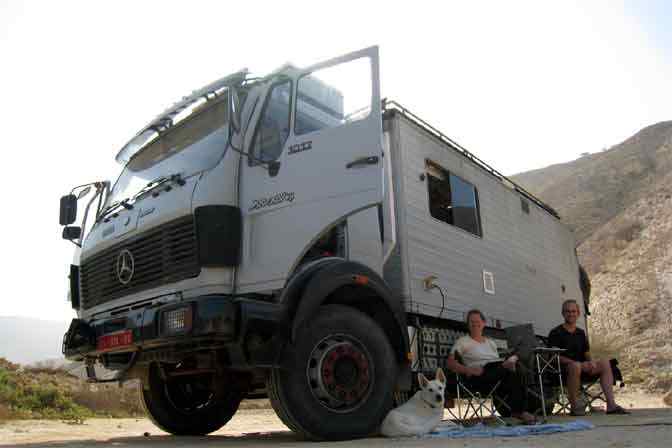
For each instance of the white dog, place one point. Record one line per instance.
(422, 413)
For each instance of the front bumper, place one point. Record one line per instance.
(251, 332)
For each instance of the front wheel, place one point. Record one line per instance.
(189, 405)
(338, 378)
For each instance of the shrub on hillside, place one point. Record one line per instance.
(46, 392)
(110, 400)
(23, 398)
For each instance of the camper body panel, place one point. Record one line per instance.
(530, 256)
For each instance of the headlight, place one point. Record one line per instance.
(177, 320)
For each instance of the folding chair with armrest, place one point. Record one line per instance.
(479, 402)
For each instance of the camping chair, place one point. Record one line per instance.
(586, 394)
(590, 391)
(478, 403)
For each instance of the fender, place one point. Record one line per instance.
(337, 273)
(296, 284)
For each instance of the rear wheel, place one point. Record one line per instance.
(190, 405)
(338, 378)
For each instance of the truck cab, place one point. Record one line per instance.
(241, 249)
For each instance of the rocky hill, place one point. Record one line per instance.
(619, 204)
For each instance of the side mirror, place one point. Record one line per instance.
(68, 212)
(72, 233)
(234, 109)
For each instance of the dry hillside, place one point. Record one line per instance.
(590, 191)
(47, 392)
(619, 203)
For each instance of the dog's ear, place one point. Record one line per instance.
(440, 376)
(422, 380)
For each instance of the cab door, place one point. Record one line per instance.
(317, 158)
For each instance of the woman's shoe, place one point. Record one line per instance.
(617, 411)
(526, 418)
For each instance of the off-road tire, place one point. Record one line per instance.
(181, 422)
(293, 396)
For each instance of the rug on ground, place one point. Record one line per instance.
(480, 430)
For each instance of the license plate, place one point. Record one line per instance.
(110, 341)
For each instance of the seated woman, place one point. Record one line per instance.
(483, 367)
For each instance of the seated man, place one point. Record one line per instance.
(576, 362)
(483, 367)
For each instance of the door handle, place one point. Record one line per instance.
(369, 160)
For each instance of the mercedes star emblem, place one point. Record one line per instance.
(125, 266)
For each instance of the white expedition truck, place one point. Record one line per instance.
(294, 235)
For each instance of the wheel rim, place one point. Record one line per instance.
(188, 395)
(340, 373)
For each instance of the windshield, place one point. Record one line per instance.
(189, 147)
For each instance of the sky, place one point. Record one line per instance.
(522, 84)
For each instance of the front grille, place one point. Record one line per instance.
(163, 255)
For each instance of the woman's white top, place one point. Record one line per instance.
(474, 353)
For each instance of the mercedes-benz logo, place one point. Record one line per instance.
(125, 266)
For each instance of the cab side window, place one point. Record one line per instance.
(333, 96)
(273, 128)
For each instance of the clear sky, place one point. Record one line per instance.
(522, 84)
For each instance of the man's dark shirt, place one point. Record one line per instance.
(575, 343)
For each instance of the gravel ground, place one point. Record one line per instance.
(649, 425)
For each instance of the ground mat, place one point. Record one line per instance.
(459, 432)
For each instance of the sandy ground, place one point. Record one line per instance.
(649, 425)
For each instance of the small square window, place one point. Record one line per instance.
(525, 206)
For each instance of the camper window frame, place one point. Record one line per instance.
(448, 174)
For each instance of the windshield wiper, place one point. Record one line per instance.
(151, 185)
(176, 177)
(115, 206)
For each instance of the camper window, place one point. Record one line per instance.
(452, 199)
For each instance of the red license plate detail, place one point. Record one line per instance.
(115, 340)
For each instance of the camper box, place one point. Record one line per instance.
(469, 238)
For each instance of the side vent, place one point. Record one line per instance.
(488, 282)
(74, 286)
(525, 206)
(219, 233)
